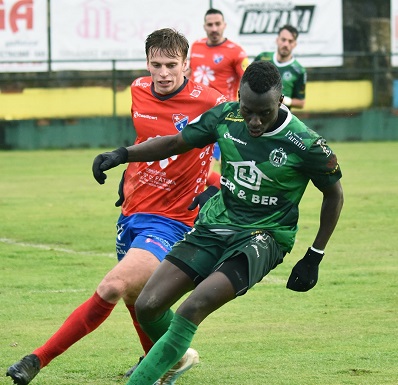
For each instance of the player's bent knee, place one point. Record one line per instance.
(144, 308)
(111, 290)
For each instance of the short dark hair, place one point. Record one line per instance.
(213, 11)
(171, 42)
(262, 76)
(291, 29)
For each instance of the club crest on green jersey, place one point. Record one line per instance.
(278, 157)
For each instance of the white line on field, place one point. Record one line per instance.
(54, 248)
(59, 291)
(267, 280)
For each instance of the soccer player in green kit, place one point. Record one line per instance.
(294, 76)
(268, 157)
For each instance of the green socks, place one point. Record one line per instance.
(155, 329)
(166, 352)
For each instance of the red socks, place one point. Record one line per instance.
(86, 318)
(144, 339)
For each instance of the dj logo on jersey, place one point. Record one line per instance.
(180, 121)
(247, 174)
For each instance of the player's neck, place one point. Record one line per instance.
(280, 119)
(283, 59)
(213, 44)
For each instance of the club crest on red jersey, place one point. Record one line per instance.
(218, 58)
(180, 121)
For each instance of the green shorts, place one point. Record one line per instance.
(203, 251)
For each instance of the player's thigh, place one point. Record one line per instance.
(130, 275)
(164, 288)
(212, 293)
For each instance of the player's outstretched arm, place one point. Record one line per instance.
(304, 275)
(158, 148)
(153, 149)
(332, 204)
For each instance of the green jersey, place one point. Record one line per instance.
(262, 179)
(293, 74)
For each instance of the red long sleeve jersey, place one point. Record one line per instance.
(167, 187)
(219, 66)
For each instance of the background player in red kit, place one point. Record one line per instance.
(156, 198)
(217, 62)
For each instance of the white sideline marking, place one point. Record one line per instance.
(49, 248)
(59, 291)
(271, 280)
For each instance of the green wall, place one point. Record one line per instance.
(370, 125)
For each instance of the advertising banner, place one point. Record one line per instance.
(116, 29)
(254, 24)
(89, 34)
(23, 35)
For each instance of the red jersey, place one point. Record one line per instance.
(167, 187)
(219, 66)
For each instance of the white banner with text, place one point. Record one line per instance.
(90, 34)
(23, 36)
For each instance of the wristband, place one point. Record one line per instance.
(287, 101)
(317, 250)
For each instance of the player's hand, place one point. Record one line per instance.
(304, 275)
(108, 160)
(203, 197)
(120, 201)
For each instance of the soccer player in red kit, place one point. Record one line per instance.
(216, 61)
(156, 198)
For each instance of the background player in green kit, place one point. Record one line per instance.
(294, 76)
(268, 157)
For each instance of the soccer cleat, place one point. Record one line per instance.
(189, 360)
(25, 370)
(131, 370)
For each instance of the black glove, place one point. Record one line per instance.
(108, 160)
(120, 201)
(203, 197)
(304, 275)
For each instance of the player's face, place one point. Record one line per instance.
(286, 43)
(167, 73)
(260, 111)
(214, 27)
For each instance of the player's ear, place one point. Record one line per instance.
(185, 65)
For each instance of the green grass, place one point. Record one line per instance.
(57, 242)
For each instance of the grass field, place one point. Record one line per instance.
(57, 242)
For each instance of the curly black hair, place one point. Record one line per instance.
(262, 76)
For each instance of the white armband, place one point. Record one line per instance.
(317, 250)
(287, 101)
